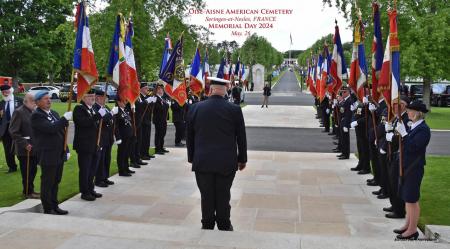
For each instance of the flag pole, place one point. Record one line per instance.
(69, 108)
(99, 134)
(28, 174)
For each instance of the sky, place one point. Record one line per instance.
(309, 21)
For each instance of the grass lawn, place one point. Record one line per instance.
(435, 192)
(301, 84)
(439, 118)
(11, 186)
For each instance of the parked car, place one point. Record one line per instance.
(52, 91)
(64, 93)
(111, 93)
(414, 91)
(440, 94)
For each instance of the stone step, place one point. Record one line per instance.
(34, 230)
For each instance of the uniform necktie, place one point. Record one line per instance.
(52, 116)
(8, 111)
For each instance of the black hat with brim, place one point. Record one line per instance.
(5, 87)
(405, 99)
(417, 106)
(218, 81)
(99, 92)
(143, 84)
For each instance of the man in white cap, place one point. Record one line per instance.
(7, 107)
(217, 148)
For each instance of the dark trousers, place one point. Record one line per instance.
(179, 131)
(136, 146)
(9, 151)
(384, 175)
(104, 163)
(215, 199)
(87, 164)
(375, 163)
(146, 136)
(325, 119)
(364, 156)
(28, 173)
(123, 155)
(398, 205)
(345, 142)
(50, 179)
(160, 133)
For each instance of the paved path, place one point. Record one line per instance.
(287, 83)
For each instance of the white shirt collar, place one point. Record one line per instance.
(346, 97)
(417, 123)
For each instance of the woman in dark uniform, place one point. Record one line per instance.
(415, 143)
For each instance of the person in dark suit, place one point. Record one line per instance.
(20, 130)
(139, 113)
(7, 107)
(397, 210)
(346, 118)
(415, 143)
(266, 94)
(236, 94)
(85, 143)
(124, 134)
(145, 122)
(160, 116)
(217, 148)
(106, 139)
(178, 120)
(48, 140)
(360, 123)
(325, 108)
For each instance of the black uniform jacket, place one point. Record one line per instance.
(3, 120)
(20, 129)
(48, 136)
(86, 128)
(216, 139)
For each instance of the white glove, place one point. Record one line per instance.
(365, 100)
(372, 107)
(68, 156)
(333, 105)
(68, 116)
(388, 127)
(148, 100)
(102, 111)
(328, 111)
(154, 99)
(389, 136)
(335, 102)
(345, 129)
(118, 141)
(354, 106)
(354, 124)
(382, 151)
(133, 108)
(115, 110)
(401, 129)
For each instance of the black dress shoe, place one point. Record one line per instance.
(378, 192)
(134, 165)
(146, 158)
(370, 180)
(340, 155)
(331, 134)
(179, 145)
(102, 184)
(413, 236)
(373, 183)
(11, 170)
(109, 182)
(335, 143)
(399, 231)
(87, 197)
(325, 131)
(337, 151)
(151, 156)
(355, 169)
(140, 162)
(131, 171)
(159, 152)
(61, 211)
(382, 196)
(230, 229)
(344, 157)
(165, 151)
(394, 216)
(52, 212)
(96, 195)
(124, 174)
(388, 209)
(335, 138)
(363, 172)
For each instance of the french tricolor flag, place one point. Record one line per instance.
(196, 83)
(206, 71)
(83, 56)
(133, 82)
(377, 51)
(338, 66)
(117, 67)
(362, 65)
